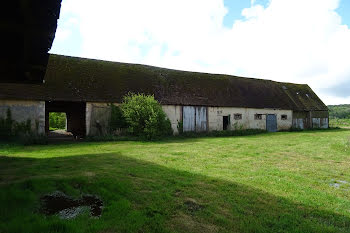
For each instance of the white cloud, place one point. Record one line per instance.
(62, 34)
(335, 100)
(288, 40)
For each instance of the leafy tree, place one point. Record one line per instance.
(57, 120)
(145, 116)
(339, 111)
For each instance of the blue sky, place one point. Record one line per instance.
(235, 8)
(344, 11)
(300, 41)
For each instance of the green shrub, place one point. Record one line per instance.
(145, 116)
(180, 127)
(117, 120)
(32, 139)
(6, 125)
(22, 128)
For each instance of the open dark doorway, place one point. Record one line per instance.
(75, 121)
(226, 122)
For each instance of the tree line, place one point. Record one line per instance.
(339, 111)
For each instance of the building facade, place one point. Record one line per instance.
(199, 102)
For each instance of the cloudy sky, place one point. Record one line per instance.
(301, 41)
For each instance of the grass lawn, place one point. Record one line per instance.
(342, 123)
(279, 182)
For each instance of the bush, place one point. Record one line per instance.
(21, 128)
(6, 125)
(33, 139)
(145, 116)
(117, 121)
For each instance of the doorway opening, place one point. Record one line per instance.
(58, 125)
(57, 121)
(65, 120)
(226, 122)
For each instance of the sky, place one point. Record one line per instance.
(298, 41)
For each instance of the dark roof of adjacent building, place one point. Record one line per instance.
(80, 79)
(27, 31)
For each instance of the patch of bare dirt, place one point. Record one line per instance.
(67, 207)
(192, 205)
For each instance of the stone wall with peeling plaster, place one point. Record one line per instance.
(22, 111)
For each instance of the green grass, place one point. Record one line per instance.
(53, 128)
(280, 182)
(342, 123)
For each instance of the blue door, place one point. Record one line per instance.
(194, 119)
(271, 123)
(189, 118)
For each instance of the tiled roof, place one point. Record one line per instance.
(80, 79)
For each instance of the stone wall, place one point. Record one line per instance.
(174, 114)
(248, 121)
(26, 110)
(97, 118)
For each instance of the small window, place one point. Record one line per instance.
(284, 117)
(258, 116)
(238, 116)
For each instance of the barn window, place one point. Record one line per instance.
(284, 117)
(238, 116)
(258, 116)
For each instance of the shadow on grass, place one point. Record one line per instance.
(193, 137)
(140, 196)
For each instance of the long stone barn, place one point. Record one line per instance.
(85, 88)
